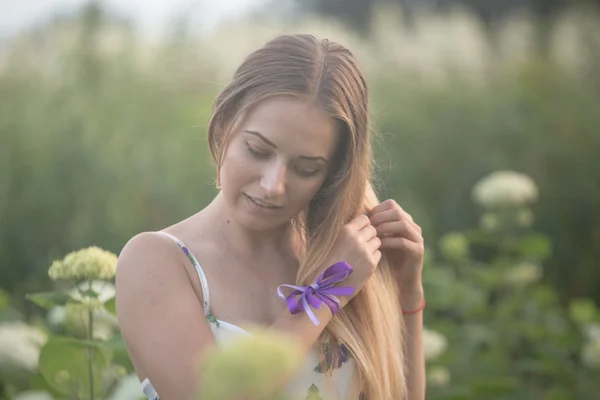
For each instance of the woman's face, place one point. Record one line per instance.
(277, 158)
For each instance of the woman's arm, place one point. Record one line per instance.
(413, 351)
(161, 318)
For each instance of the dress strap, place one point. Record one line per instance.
(201, 275)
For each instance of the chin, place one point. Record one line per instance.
(257, 223)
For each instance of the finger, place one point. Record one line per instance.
(368, 232)
(405, 229)
(399, 243)
(374, 244)
(383, 206)
(377, 256)
(359, 222)
(392, 214)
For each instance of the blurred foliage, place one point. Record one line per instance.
(508, 335)
(357, 14)
(76, 353)
(539, 122)
(102, 135)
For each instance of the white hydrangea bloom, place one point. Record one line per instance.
(592, 331)
(86, 264)
(56, 316)
(434, 343)
(505, 188)
(128, 388)
(21, 344)
(105, 291)
(438, 376)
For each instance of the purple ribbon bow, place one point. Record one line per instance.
(322, 291)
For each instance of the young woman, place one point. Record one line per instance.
(291, 141)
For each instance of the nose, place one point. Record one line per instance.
(274, 180)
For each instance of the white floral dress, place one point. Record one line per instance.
(308, 383)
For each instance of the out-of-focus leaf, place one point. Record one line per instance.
(64, 363)
(111, 306)
(535, 246)
(49, 300)
(582, 311)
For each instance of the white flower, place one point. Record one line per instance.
(85, 264)
(517, 39)
(128, 388)
(505, 188)
(590, 354)
(438, 376)
(523, 273)
(33, 395)
(56, 316)
(21, 344)
(566, 47)
(434, 343)
(104, 290)
(592, 331)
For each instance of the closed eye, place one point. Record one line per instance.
(261, 155)
(307, 172)
(255, 153)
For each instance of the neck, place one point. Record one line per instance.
(245, 241)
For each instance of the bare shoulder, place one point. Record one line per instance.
(145, 252)
(159, 314)
(147, 261)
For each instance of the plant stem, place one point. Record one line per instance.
(90, 335)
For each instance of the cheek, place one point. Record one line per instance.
(305, 191)
(234, 168)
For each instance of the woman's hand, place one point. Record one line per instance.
(358, 245)
(402, 243)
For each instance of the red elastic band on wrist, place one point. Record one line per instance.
(421, 308)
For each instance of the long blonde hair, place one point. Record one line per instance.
(326, 73)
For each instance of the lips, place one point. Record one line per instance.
(264, 204)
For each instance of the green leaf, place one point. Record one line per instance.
(120, 355)
(536, 246)
(49, 300)
(493, 386)
(582, 311)
(37, 382)
(4, 300)
(64, 363)
(115, 346)
(313, 393)
(111, 306)
(90, 293)
(115, 343)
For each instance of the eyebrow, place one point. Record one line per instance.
(273, 145)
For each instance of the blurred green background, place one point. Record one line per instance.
(102, 135)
